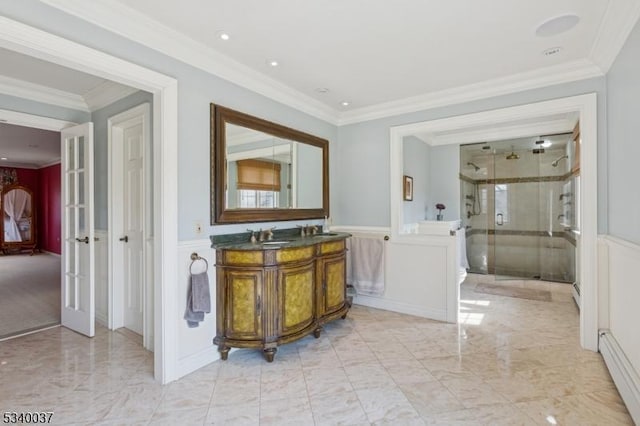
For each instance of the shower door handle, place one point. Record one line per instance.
(500, 219)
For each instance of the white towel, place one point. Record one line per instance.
(462, 248)
(365, 265)
(463, 262)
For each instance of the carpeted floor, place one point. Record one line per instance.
(29, 293)
(519, 292)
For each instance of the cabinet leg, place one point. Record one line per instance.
(316, 332)
(269, 354)
(224, 352)
(344, 316)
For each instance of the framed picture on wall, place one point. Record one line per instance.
(407, 185)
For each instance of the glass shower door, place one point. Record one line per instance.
(515, 233)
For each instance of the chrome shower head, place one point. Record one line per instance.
(474, 166)
(555, 163)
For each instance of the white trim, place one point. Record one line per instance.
(401, 307)
(31, 41)
(36, 92)
(502, 133)
(381, 230)
(616, 25)
(29, 332)
(129, 23)
(140, 114)
(36, 121)
(198, 360)
(586, 106)
(135, 26)
(559, 74)
(49, 164)
(622, 372)
(106, 93)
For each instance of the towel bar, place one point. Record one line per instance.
(195, 257)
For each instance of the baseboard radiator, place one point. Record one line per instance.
(624, 375)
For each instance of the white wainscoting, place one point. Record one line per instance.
(619, 343)
(194, 347)
(102, 277)
(420, 274)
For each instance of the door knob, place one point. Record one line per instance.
(83, 240)
(125, 239)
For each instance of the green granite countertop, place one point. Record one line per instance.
(281, 239)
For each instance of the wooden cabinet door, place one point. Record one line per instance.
(244, 304)
(333, 286)
(297, 297)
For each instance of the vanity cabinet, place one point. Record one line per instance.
(271, 295)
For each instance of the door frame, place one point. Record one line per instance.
(115, 171)
(31, 41)
(479, 125)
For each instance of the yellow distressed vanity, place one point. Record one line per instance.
(274, 292)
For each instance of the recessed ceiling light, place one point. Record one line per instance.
(322, 90)
(223, 35)
(345, 103)
(557, 25)
(272, 62)
(552, 51)
(3, 158)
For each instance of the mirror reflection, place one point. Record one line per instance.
(266, 171)
(17, 219)
(263, 171)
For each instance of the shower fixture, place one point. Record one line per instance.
(513, 156)
(474, 166)
(555, 163)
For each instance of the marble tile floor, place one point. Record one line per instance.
(511, 361)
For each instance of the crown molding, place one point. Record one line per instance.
(35, 92)
(36, 121)
(106, 93)
(548, 76)
(497, 133)
(130, 23)
(618, 22)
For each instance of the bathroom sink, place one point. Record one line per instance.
(274, 243)
(328, 234)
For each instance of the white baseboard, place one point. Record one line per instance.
(400, 307)
(196, 361)
(624, 375)
(576, 295)
(51, 253)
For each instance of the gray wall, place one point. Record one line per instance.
(363, 148)
(101, 153)
(623, 88)
(196, 89)
(415, 154)
(444, 169)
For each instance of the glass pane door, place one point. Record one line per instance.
(515, 231)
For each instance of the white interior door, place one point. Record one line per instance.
(78, 271)
(133, 225)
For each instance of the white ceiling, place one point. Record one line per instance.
(383, 57)
(27, 147)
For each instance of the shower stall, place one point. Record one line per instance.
(518, 205)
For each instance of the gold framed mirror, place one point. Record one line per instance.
(263, 171)
(18, 226)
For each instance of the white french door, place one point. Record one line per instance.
(78, 264)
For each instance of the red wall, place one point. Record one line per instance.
(50, 209)
(45, 184)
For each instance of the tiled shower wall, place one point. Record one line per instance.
(532, 196)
